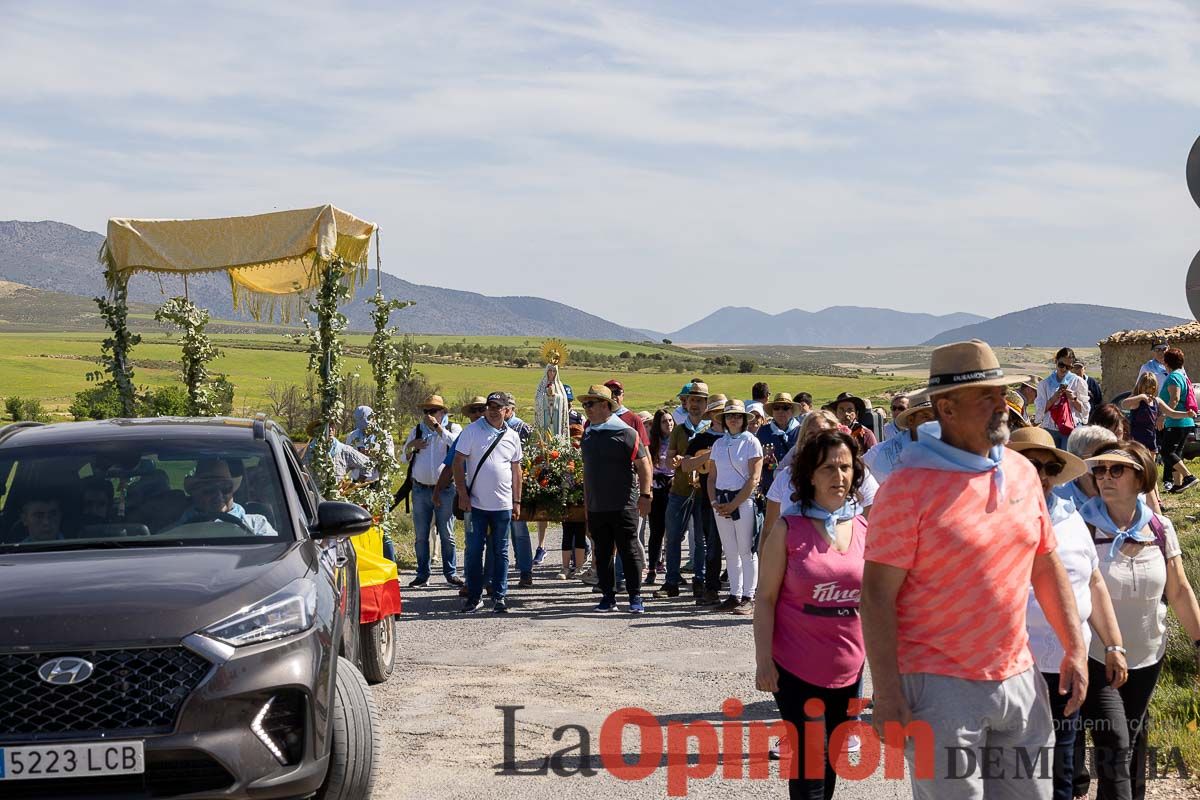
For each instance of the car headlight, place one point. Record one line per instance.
(290, 610)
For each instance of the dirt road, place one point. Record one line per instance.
(567, 666)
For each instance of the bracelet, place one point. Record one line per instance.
(1115, 648)
(651, 497)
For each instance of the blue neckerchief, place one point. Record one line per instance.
(930, 452)
(792, 425)
(426, 432)
(729, 437)
(495, 431)
(849, 510)
(701, 428)
(621, 410)
(1060, 508)
(829, 521)
(1066, 381)
(1071, 492)
(613, 423)
(1095, 513)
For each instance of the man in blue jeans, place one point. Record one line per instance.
(678, 500)
(427, 447)
(487, 476)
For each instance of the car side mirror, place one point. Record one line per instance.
(335, 518)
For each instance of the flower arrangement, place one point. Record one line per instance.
(553, 476)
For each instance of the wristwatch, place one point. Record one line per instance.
(1115, 648)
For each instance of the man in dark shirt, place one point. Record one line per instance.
(707, 589)
(616, 491)
(1095, 396)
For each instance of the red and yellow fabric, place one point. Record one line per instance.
(378, 581)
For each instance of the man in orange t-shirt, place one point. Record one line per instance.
(957, 536)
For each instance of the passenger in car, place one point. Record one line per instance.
(210, 488)
(41, 514)
(151, 501)
(96, 496)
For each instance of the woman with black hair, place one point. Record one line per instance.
(808, 639)
(664, 472)
(1062, 399)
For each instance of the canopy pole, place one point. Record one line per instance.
(378, 263)
(185, 288)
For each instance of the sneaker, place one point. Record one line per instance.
(590, 577)
(463, 591)
(606, 604)
(667, 590)
(415, 582)
(1168, 486)
(539, 556)
(729, 605)
(744, 608)
(687, 567)
(710, 598)
(454, 580)
(636, 606)
(499, 607)
(650, 579)
(471, 606)
(526, 581)
(1188, 483)
(571, 573)
(853, 744)
(561, 576)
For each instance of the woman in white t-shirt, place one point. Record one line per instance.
(735, 464)
(1078, 556)
(1140, 560)
(779, 496)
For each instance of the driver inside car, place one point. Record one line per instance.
(210, 488)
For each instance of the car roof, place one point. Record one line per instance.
(150, 428)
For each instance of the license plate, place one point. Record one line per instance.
(71, 760)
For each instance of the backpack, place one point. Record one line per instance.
(1189, 400)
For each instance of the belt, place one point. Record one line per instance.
(429, 486)
(831, 611)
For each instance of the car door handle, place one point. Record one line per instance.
(341, 561)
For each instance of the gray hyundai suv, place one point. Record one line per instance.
(178, 617)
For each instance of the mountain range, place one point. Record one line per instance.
(1057, 324)
(836, 325)
(62, 258)
(59, 258)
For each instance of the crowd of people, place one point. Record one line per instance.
(1010, 589)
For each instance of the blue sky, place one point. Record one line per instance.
(648, 162)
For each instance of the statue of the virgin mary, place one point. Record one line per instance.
(550, 401)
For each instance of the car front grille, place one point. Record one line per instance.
(131, 691)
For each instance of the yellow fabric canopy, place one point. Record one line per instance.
(266, 255)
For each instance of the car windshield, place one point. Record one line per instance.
(135, 493)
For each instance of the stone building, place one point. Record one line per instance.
(1123, 353)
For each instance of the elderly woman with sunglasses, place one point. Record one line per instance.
(1078, 554)
(1140, 560)
(1062, 387)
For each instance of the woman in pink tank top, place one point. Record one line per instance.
(807, 635)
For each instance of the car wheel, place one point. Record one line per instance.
(354, 748)
(378, 649)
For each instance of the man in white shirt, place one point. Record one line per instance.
(426, 449)
(487, 477)
(899, 406)
(1156, 365)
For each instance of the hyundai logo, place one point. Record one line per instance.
(65, 671)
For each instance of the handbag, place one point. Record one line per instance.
(405, 490)
(458, 512)
(1060, 414)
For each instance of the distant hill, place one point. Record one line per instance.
(1057, 325)
(837, 325)
(62, 258)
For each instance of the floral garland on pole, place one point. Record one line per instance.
(325, 359)
(198, 350)
(384, 358)
(114, 351)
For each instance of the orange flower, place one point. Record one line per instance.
(554, 454)
(545, 482)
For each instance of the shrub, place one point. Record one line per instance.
(165, 401)
(746, 366)
(98, 402)
(22, 409)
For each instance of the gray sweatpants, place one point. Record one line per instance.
(993, 740)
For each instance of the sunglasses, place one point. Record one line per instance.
(432, 411)
(476, 409)
(494, 407)
(1115, 471)
(224, 487)
(1063, 365)
(1051, 469)
(898, 409)
(589, 403)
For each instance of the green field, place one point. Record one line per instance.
(51, 367)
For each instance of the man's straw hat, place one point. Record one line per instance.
(965, 364)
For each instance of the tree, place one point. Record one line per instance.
(746, 366)
(114, 350)
(198, 350)
(666, 341)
